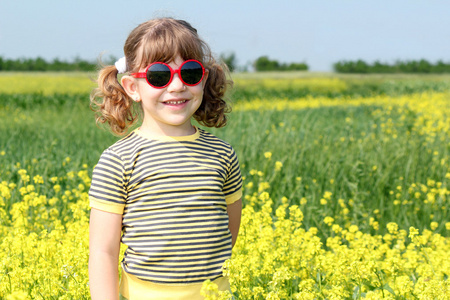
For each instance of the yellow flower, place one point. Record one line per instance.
(209, 290)
(434, 225)
(23, 175)
(262, 186)
(403, 285)
(17, 295)
(327, 195)
(278, 165)
(30, 188)
(328, 220)
(447, 225)
(268, 155)
(264, 196)
(375, 225)
(38, 179)
(71, 175)
(392, 227)
(336, 228)
(413, 232)
(353, 228)
(57, 188)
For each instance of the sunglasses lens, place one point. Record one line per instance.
(158, 75)
(191, 72)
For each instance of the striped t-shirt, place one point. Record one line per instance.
(173, 193)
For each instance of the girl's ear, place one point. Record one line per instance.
(130, 87)
(205, 78)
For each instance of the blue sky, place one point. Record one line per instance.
(318, 32)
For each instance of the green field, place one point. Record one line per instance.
(338, 143)
(353, 153)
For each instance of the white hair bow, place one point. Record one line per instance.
(121, 65)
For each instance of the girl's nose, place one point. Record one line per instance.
(176, 84)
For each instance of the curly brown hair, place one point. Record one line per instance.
(161, 40)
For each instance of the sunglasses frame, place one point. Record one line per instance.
(172, 72)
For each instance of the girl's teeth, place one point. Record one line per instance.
(175, 102)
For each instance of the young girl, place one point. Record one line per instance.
(169, 191)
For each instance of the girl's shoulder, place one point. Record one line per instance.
(211, 141)
(211, 138)
(125, 142)
(126, 145)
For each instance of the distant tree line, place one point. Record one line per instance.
(412, 66)
(230, 60)
(263, 63)
(40, 64)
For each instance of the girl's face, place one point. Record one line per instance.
(168, 111)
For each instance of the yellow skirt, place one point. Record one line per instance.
(132, 288)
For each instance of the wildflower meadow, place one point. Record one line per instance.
(346, 186)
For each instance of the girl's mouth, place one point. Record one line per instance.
(177, 102)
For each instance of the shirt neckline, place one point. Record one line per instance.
(147, 136)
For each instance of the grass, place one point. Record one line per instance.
(344, 150)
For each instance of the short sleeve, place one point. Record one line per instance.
(232, 188)
(108, 191)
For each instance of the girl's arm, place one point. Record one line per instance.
(104, 246)
(234, 211)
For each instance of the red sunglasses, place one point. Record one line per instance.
(160, 75)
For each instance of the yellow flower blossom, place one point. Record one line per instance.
(434, 225)
(57, 188)
(38, 179)
(268, 155)
(392, 228)
(328, 220)
(413, 232)
(327, 195)
(278, 166)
